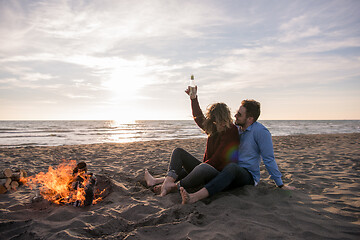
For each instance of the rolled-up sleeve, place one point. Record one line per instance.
(197, 113)
(263, 137)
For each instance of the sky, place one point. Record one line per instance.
(132, 60)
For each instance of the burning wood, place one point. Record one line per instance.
(69, 183)
(83, 183)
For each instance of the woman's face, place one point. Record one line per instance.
(220, 126)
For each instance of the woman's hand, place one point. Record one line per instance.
(191, 94)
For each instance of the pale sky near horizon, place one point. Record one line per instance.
(125, 60)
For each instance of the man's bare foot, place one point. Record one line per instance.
(184, 195)
(193, 197)
(168, 186)
(150, 180)
(287, 187)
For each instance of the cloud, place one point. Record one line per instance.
(94, 36)
(85, 27)
(72, 96)
(276, 65)
(112, 52)
(24, 77)
(298, 28)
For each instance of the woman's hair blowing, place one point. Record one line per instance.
(218, 113)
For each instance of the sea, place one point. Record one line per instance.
(54, 133)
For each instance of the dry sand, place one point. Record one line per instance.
(326, 204)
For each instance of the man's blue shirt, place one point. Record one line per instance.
(256, 143)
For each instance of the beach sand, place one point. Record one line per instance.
(326, 205)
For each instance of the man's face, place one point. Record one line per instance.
(240, 117)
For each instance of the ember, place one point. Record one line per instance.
(69, 183)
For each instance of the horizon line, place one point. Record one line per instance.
(169, 120)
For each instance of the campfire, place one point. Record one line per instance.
(67, 184)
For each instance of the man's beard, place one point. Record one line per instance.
(239, 124)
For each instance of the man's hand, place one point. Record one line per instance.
(287, 187)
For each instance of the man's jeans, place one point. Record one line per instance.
(230, 177)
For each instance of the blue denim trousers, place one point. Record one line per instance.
(230, 177)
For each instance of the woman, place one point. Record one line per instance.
(221, 149)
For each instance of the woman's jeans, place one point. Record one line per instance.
(188, 170)
(230, 177)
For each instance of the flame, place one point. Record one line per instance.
(59, 185)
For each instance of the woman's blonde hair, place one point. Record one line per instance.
(218, 113)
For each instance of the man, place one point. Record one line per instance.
(255, 143)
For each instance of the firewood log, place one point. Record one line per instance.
(6, 173)
(16, 176)
(23, 173)
(8, 184)
(2, 189)
(14, 185)
(2, 186)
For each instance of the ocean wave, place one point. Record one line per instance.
(16, 133)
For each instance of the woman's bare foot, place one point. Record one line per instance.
(150, 180)
(157, 189)
(168, 186)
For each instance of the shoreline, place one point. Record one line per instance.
(163, 140)
(323, 167)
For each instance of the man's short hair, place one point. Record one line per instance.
(252, 108)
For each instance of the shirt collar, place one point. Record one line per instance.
(247, 129)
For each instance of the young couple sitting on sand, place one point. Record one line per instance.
(232, 156)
